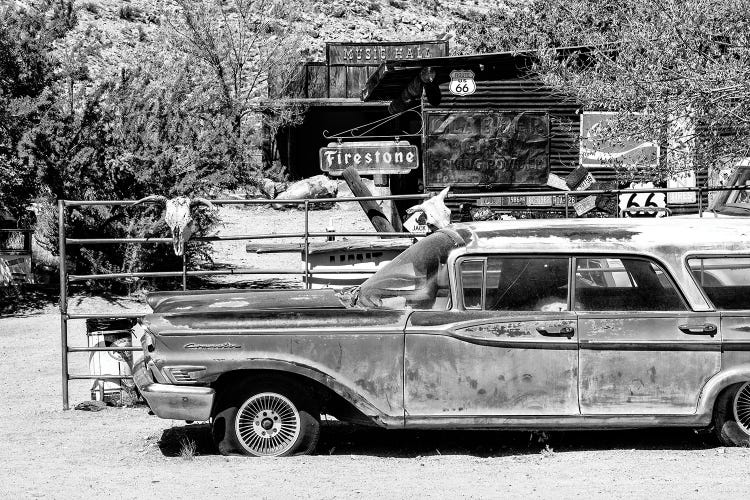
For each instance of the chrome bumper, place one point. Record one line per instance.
(177, 402)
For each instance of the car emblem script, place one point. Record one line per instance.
(225, 345)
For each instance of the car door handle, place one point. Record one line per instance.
(565, 331)
(704, 329)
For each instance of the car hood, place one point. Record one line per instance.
(230, 301)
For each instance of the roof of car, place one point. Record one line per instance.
(671, 235)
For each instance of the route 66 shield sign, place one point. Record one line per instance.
(462, 82)
(642, 204)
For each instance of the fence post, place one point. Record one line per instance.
(700, 202)
(184, 269)
(307, 244)
(63, 302)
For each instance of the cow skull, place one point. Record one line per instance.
(438, 215)
(178, 217)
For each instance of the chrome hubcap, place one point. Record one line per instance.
(267, 424)
(742, 407)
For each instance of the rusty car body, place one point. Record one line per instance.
(563, 324)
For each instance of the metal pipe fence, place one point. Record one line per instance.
(64, 241)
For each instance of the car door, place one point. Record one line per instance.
(642, 351)
(507, 347)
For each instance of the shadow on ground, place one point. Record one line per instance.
(26, 299)
(344, 439)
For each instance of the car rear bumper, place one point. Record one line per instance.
(177, 402)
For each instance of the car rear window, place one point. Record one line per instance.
(623, 284)
(515, 283)
(725, 280)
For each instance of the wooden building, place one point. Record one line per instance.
(330, 92)
(507, 135)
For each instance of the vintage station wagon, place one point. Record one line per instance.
(565, 324)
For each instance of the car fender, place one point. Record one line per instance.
(719, 382)
(343, 388)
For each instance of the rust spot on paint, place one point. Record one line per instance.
(367, 385)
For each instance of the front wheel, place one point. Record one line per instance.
(732, 415)
(266, 420)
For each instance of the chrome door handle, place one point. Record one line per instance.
(704, 329)
(565, 331)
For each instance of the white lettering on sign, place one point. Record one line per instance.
(586, 183)
(679, 180)
(462, 82)
(373, 157)
(375, 53)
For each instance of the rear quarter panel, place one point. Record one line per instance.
(735, 329)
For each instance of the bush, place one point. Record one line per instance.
(91, 7)
(130, 13)
(169, 126)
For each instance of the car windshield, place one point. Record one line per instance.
(735, 202)
(417, 278)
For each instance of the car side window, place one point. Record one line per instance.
(726, 280)
(624, 284)
(472, 283)
(510, 283)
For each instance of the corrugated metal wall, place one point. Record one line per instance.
(527, 95)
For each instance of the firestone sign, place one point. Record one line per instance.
(372, 157)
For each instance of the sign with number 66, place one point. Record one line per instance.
(462, 82)
(643, 204)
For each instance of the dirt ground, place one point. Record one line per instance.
(124, 452)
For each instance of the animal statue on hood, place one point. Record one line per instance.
(437, 214)
(178, 217)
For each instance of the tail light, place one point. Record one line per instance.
(185, 374)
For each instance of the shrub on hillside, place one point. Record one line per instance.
(130, 13)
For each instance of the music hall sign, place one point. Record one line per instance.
(370, 157)
(364, 54)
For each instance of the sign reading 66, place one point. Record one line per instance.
(642, 204)
(462, 82)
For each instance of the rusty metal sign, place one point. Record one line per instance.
(372, 157)
(485, 148)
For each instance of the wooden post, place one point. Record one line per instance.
(383, 188)
(379, 221)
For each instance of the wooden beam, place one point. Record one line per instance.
(379, 221)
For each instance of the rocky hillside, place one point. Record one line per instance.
(115, 30)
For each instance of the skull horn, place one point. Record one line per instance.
(415, 208)
(203, 201)
(154, 198)
(441, 196)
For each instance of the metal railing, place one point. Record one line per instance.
(65, 278)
